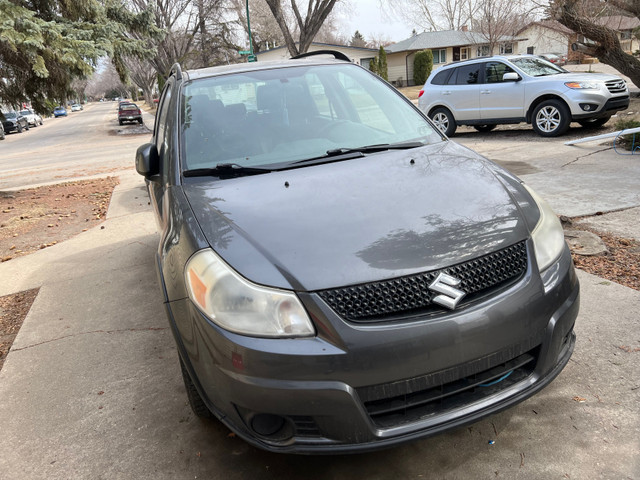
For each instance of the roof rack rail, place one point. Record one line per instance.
(177, 70)
(337, 55)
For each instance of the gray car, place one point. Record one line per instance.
(485, 92)
(339, 276)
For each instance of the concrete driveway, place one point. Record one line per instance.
(92, 388)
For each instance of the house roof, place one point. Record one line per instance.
(442, 39)
(327, 45)
(619, 22)
(550, 24)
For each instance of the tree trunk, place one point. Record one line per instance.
(607, 48)
(276, 9)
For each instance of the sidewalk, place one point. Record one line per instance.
(92, 388)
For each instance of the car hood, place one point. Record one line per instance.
(579, 77)
(356, 221)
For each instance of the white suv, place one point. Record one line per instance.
(485, 92)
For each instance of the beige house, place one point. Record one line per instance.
(547, 36)
(361, 56)
(446, 46)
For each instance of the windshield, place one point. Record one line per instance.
(537, 67)
(10, 115)
(291, 114)
(25, 112)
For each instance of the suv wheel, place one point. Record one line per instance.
(19, 128)
(195, 400)
(484, 128)
(594, 122)
(551, 118)
(443, 119)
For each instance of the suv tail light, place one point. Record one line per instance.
(420, 93)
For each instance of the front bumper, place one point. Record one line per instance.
(329, 390)
(600, 104)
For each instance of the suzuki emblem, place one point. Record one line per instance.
(450, 296)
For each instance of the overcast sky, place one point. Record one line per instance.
(367, 17)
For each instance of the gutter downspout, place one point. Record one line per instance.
(406, 67)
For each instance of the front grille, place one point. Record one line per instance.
(616, 86)
(416, 405)
(617, 103)
(410, 295)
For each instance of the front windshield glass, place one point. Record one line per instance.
(25, 112)
(537, 67)
(10, 115)
(290, 114)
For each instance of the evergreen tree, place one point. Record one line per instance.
(358, 40)
(45, 45)
(422, 66)
(382, 64)
(373, 65)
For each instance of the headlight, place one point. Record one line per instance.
(237, 305)
(548, 236)
(587, 85)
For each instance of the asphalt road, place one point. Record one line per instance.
(85, 143)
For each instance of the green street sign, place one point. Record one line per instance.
(244, 52)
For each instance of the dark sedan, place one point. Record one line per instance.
(14, 122)
(337, 274)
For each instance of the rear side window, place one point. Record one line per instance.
(467, 74)
(441, 77)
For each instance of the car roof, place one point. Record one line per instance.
(489, 57)
(256, 66)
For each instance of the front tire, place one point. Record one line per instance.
(19, 128)
(443, 119)
(551, 118)
(196, 403)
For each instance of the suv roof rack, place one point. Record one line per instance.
(337, 55)
(177, 70)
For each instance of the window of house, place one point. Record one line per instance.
(506, 48)
(465, 53)
(483, 51)
(530, 50)
(439, 56)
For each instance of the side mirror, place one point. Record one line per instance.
(147, 160)
(511, 77)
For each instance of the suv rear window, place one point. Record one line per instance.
(441, 77)
(465, 75)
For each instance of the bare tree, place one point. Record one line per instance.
(581, 17)
(265, 31)
(315, 15)
(143, 75)
(379, 39)
(105, 79)
(497, 19)
(435, 14)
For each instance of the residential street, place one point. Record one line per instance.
(92, 387)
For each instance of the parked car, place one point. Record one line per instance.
(59, 112)
(129, 112)
(76, 107)
(486, 92)
(33, 119)
(338, 275)
(14, 122)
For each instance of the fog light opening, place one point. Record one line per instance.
(267, 425)
(588, 107)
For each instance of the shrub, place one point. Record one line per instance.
(382, 64)
(422, 66)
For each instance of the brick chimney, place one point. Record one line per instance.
(464, 28)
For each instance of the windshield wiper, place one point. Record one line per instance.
(225, 170)
(360, 151)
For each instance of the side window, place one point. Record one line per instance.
(441, 77)
(494, 71)
(468, 74)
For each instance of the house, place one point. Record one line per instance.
(447, 46)
(360, 55)
(550, 36)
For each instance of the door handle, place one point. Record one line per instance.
(446, 92)
(485, 92)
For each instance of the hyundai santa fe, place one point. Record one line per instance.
(485, 92)
(337, 274)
